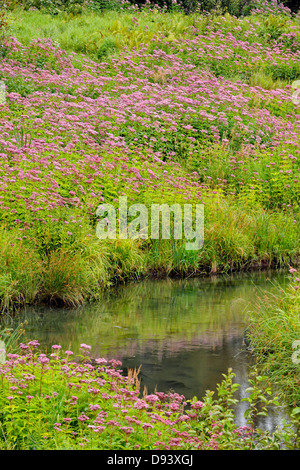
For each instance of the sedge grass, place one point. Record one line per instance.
(274, 325)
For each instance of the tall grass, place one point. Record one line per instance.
(20, 271)
(99, 35)
(274, 326)
(65, 271)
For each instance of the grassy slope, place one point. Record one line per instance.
(193, 109)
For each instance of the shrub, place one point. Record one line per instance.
(54, 7)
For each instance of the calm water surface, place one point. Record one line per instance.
(184, 333)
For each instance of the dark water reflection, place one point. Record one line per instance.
(184, 333)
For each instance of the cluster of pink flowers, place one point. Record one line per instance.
(88, 412)
(296, 279)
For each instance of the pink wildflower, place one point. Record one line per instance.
(83, 417)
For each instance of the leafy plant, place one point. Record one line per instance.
(50, 406)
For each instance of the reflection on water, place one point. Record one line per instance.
(184, 333)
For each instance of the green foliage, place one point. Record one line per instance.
(56, 7)
(19, 85)
(273, 327)
(58, 409)
(100, 6)
(4, 23)
(247, 179)
(20, 275)
(284, 71)
(107, 47)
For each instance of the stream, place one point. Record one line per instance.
(183, 333)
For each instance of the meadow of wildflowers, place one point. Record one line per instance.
(191, 109)
(161, 107)
(56, 402)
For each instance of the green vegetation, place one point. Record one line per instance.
(163, 107)
(274, 334)
(59, 403)
(79, 129)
